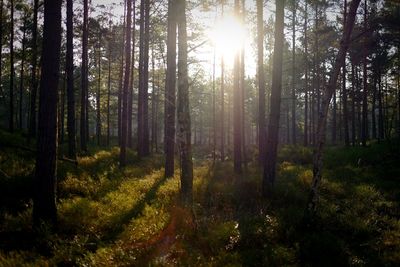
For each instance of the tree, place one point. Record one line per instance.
(127, 76)
(34, 82)
(306, 72)
(70, 82)
(237, 110)
(184, 128)
(261, 82)
(293, 96)
(44, 202)
(169, 137)
(143, 122)
(84, 78)
(321, 131)
(275, 102)
(1, 43)
(12, 72)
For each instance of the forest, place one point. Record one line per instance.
(199, 133)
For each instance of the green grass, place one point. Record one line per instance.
(129, 217)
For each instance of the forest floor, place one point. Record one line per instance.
(130, 217)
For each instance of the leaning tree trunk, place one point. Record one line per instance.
(169, 106)
(275, 103)
(70, 82)
(184, 128)
(321, 131)
(124, 122)
(44, 201)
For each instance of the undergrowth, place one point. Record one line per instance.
(130, 217)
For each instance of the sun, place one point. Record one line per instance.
(228, 36)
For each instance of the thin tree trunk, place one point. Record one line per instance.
(214, 111)
(380, 109)
(98, 94)
(169, 106)
(344, 90)
(306, 89)
(125, 94)
(70, 82)
(1, 44)
(275, 103)
(34, 82)
(237, 142)
(353, 106)
(261, 82)
(294, 73)
(364, 132)
(132, 81)
(84, 78)
(373, 115)
(121, 78)
(321, 133)
(109, 92)
(44, 201)
(183, 111)
(21, 75)
(12, 72)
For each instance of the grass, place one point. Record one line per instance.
(130, 217)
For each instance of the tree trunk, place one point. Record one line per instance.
(294, 74)
(21, 75)
(84, 78)
(183, 111)
(306, 89)
(275, 103)
(261, 82)
(98, 93)
(109, 92)
(321, 132)
(373, 115)
(143, 120)
(353, 106)
(169, 106)
(344, 90)
(364, 132)
(12, 72)
(34, 83)
(44, 201)
(380, 109)
(70, 82)
(132, 81)
(1, 44)
(124, 122)
(121, 78)
(237, 110)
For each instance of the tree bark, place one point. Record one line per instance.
(321, 132)
(44, 201)
(132, 80)
(21, 75)
(70, 82)
(98, 93)
(275, 103)
(364, 132)
(344, 90)
(183, 111)
(125, 93)
(169, 132)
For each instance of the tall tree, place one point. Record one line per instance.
(12, 72)
(364, 130)
(275, 102)
(34, 80)
(143, 120)
(344, 90)
(184, 128)
(98, 93)
(222, 120)
(70, 82)
(84, 77)
(44, 201)
(306, 72)
(261, 82)
(132, 80)
(127, 76)
(1, 43)
(237, 111)
(170, 83)
(321, 132)
(293, 97)
(22, 69)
